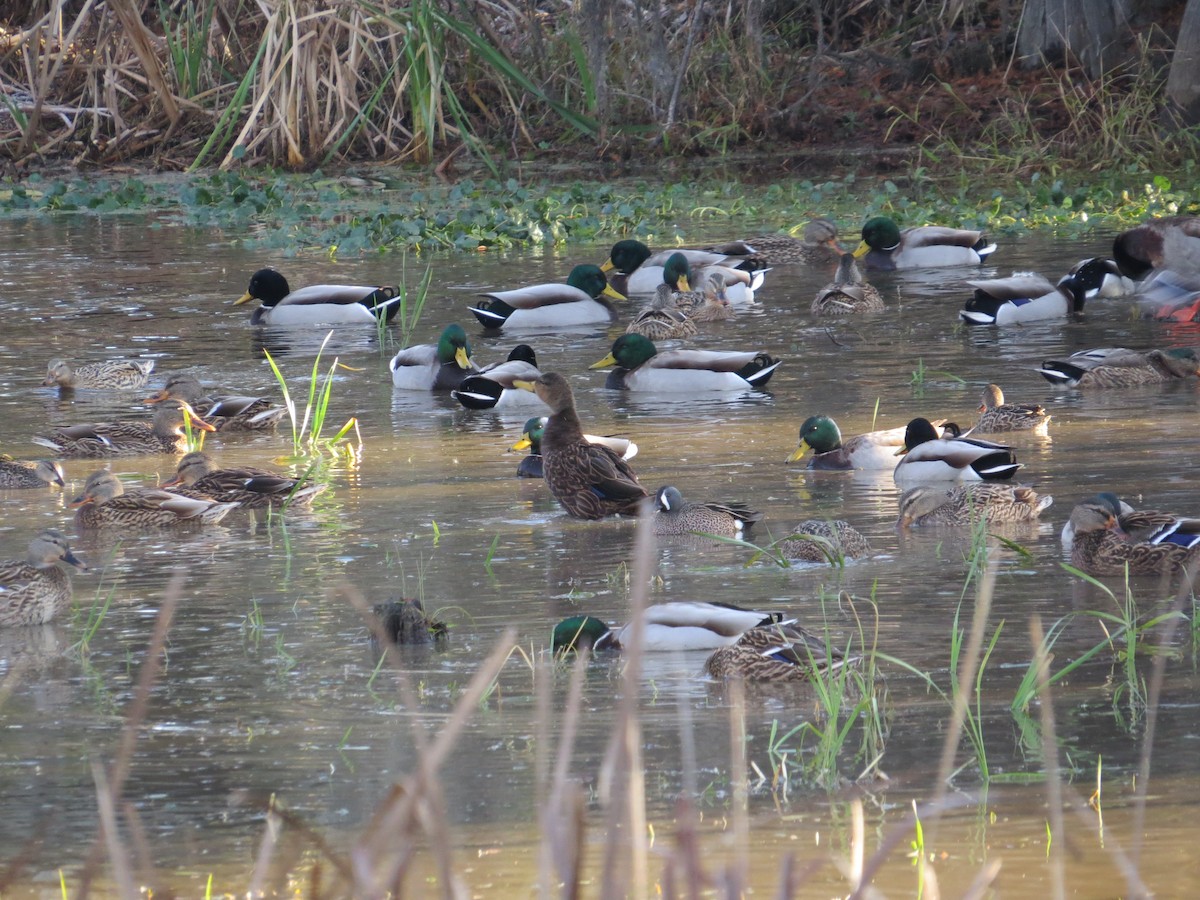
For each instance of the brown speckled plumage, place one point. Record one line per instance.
(247, 486)
(35, 590)
(164, 434)
(105, 503)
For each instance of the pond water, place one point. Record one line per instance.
(267, 688)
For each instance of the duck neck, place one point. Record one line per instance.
(562, 429)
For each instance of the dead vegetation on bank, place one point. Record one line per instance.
(301, 83)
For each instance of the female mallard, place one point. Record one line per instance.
(404, 621)
(930, 458)
(662, 320)
(967, 504)
(36, 474)
(1027, 297)
(682, 625)
(996, 415)
(1117, 367)
(578, 302)
(777, 653)
(1098, 549)
(222, 413)
(847, 294)
(317, 304)
(531, 440)
(245, 486)
(642, 368)
(114, 375)
(822, 541)
(1139, 525)
(34, 590)
(818, 245)
(736, 285)
(492, 387)
(715, 306)
(638, 271)
(164, 434)
(1168, 243)
(589, 480)
(873, 450)
(105, 503)
(674, 515)
(434, 367)
(885, 246)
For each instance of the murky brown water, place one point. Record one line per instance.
(287, 707)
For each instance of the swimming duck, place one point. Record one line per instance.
(34, 590)
(818, 246)
(885, 246)
(317, 304)
(1115, 505)
(1028, 297)
(105, 503)
(222, 413)
(824, 541)
(1098, 549)
(662, 320)
(245, 486)
(1168, 243)
(164, 434)
(578, 302)
(873, 450)
(1169, 296)
(716, 306)
(642, 368)
(674, 515)
(589, 480)
(638, 271)
(404, 621)
(996, 415)
(434, 367)
(777, 653)
(115, 374)
(36, 474)
(681, 625)
(737, 285)
(531, 440)
(492, 386)
(1139, 525)
(1112, 282)
(847, 294)
(930, 458)
(1118, 367)
(967, 504)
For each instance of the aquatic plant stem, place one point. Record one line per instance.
(1049, 757)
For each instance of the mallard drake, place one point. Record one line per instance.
(492, 386)
(222, 413)
(404, 621)
(578, 302)
(819, 540)
(635, 270)
(930, 458)
(1168, 243)
(885, 246)
(434, 367)
(642, 368)
(164, 434)
(996, 415)
(245, 486)
(1118, 367)
(673, 515)
(777, 653)
(737, 285)
(1169, 296)
(1028, 297)
(967, 504)
(105, 503)
(662, 320)
(317, 304)
(818, 246)
(531, 440)
(589, 480)
(1112, 282)
(1098, 549)
(34, 590)
(681, 625)
(35, 474)
(847, 294)
(115, 374)
(873, 450)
